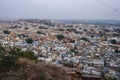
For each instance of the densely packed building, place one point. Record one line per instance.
(91, 49)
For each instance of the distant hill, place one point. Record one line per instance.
(96, 22)
(49, 22)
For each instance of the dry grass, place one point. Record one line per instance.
(30, 70)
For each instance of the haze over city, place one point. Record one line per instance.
(59, 39)
(60, 9)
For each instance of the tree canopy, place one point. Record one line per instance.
(60, 37)
(113, 41)
(6, 31)
(29, 40)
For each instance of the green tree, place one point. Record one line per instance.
(22, 35)
(72, 41)
(7, 58)
(117, 51)
(39, 32)
(6, 31)
(113, 41)
(29, 40)
(107, 77)
(60, 37)
(116, 35)
(2, 50)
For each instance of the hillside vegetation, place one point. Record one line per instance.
(22, 65)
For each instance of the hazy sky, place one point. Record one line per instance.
(59, 9)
